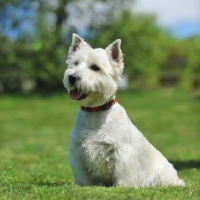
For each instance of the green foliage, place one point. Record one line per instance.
(14, 63)
(36, 61)
(190, 76)
(34, 138)
(182, 65)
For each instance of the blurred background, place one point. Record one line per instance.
(161, 46)
(160, 40)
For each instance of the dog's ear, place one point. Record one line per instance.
(114, 51)
(76, 42)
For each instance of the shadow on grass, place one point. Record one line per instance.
(181, 165)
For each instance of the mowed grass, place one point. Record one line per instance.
(34, 138)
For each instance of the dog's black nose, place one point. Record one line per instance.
(72, 79)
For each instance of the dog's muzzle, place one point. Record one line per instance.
(75, 94)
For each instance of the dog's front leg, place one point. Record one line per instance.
(77, 164)
(81, 178)
(125, 168)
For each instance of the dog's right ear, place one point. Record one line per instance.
(76, 42)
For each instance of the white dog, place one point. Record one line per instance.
(105, 147)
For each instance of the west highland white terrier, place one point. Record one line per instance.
(105, 147)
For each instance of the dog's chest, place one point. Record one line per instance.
(98, 149)
(99, 155)
(96, 144)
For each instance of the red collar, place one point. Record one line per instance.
(105, 106)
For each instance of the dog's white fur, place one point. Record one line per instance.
(105, 147)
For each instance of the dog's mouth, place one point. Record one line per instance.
(77, 94)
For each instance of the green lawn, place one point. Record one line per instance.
(34, 138)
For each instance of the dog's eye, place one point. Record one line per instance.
(94, 68)
(76, 63)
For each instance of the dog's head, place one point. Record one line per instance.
(93, 75)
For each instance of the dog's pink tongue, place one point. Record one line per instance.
(75, 94)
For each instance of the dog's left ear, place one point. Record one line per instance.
(114, 51)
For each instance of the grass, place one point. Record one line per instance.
(34, 138)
